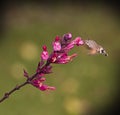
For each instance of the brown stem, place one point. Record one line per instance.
(7, 94)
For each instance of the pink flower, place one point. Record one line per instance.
(44, 55)
(69, 46)
(56, 44)
(43, 87)
(67, 36)
(46, 87)
(38, 83)
(78, 41)
(64, 58)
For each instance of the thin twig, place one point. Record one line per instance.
(7, 94)
(17, 87)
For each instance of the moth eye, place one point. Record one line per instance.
(102, 51)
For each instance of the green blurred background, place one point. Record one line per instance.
(89, 85)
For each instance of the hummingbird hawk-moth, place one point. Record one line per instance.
(94, 47)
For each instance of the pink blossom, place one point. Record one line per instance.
(56, 44)
(69, 46)
(43, 87)
(53, 57)
(46, 87)
(67, 36)
(51, 88)
(64, 58)
(78, 41)
(44, 55)
(38, 83)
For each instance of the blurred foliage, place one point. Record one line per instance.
(87, 84)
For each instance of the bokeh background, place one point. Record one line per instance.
(89, 85)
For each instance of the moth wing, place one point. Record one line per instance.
(91, 44)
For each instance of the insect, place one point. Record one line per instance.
(95, 48)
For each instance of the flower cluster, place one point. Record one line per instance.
(61, 47)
